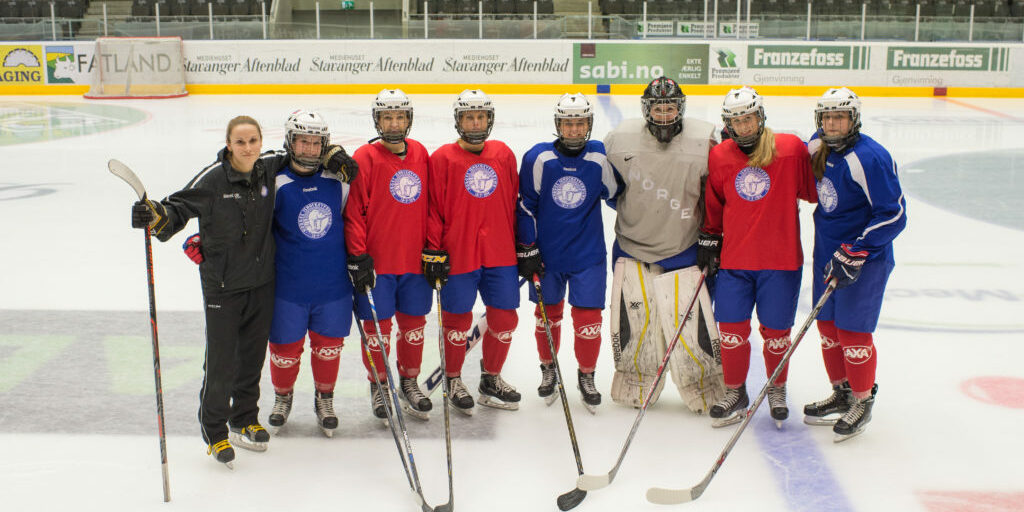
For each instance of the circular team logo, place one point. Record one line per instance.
(315, 220)
(827, 196)
(481, 180)
(569, 192)
(405, 186)
(752, 183)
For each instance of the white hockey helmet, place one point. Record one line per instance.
(839, 99)
(573, 106)
(738, 103)
(470, 100)
(305, 122)
(389, 100)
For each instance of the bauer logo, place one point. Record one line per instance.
(569, 192)
(480, 180)
(828, 198)
(315, 220)
(945, 58)
(807, 57)
(405, 186)
(752, 183)
(21, 65)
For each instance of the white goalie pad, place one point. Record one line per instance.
(638, 344)
(696, 361)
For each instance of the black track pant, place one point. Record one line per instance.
(237, 329)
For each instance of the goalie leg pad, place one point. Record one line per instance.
(637, 343)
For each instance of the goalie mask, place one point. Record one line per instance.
(473, 100)
(304, 122)
(839, 100)
(739, 103)
(573, 106)
(389, 100)
(661, 122)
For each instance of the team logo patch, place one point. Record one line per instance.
(857, 355)
(827, 196)
(405, 186)
(480, 180)
(569, 192)
(752, 183)
(777, 346)
(315, 220)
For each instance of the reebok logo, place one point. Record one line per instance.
(777, 346)
(589, 332)
(857, 354)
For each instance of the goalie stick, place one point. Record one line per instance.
(122, 171)
(664, 496)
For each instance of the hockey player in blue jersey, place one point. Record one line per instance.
(560, 237)
(861, 210)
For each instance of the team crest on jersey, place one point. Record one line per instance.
(315, 220)
(752, 183)
(827, 196)
(569, 192)
(405, 186)
(481, 180)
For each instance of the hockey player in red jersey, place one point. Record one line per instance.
(385, 230)
(752, 233)
(473, 186)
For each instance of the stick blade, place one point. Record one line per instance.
(444, 507)
(122, 171)
(593, 482)
(661, 496)
(571, 499)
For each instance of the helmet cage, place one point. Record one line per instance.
(663, 91)
(573, 106)
(392, 100)
(838, 100)
(304, 122)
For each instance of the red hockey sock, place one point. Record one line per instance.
(586, 324)
(735, 352)
(324, 361)
(554, 312)
(410, 343)
(501, 323)
(456, 327)
(776, 343)
(373, 341)
(861, 361)
(832, 352)
(284, 365)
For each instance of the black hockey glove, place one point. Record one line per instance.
(146, 213)
(709, 252)
(337, 163)
(528, 260)
(845, 266)
(436, 266)
(360, 270)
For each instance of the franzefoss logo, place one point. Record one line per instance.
(964, 59)
(812, 57)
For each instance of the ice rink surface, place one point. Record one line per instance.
(77, 422)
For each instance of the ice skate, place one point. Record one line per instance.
(380, 403)
(222, 452)
(413, 400)
(251, 437)
(731, 408)
(826, 412)
(777, 404)
(588, 391)
(459, 397)
(853, 422)
(282, 408)
(323, 406)
(546, 390)
(495, 392)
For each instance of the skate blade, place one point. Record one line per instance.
(778, 424)
(275, 430)
(732, 419)
(592, 409)
(819, 421)
(230, 465)
(328, 432)
(415, 413)
(467, 412)
(243, 442)
(844, 437)
(550, 399)
(497, 404)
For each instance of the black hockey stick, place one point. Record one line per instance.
(122, 171)
(674, 496)
(572, 498)
(593, 482)
(450, 506)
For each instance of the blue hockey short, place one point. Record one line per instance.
(292, 320)
(498, 287)
(586, 287)
(857, 307)
(775, 293)
(408, 293)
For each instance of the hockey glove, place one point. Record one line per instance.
(528, 260)
(436, 266)
(146, 213)
(193, 248)
(845, 266)
(360, 270)
(709, 252)
(337, 163)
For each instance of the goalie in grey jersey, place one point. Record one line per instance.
(662, 161)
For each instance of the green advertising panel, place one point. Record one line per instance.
(947, 58)
(807, 57)
(623, 63)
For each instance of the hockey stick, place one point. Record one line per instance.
(122, 171)
(572, 498)
(593, 482)
(673, 496)
(450, 506)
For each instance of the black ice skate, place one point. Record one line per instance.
(459, 397)
(546, 390)
(588, 391)
(826, 412)
(731, 408)
(380, 403)
(223, 453)
(251, 437)
(853, 422)
(495, 392)
(282, 408)
(323, 406)
(413, 400)
(777, 404)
